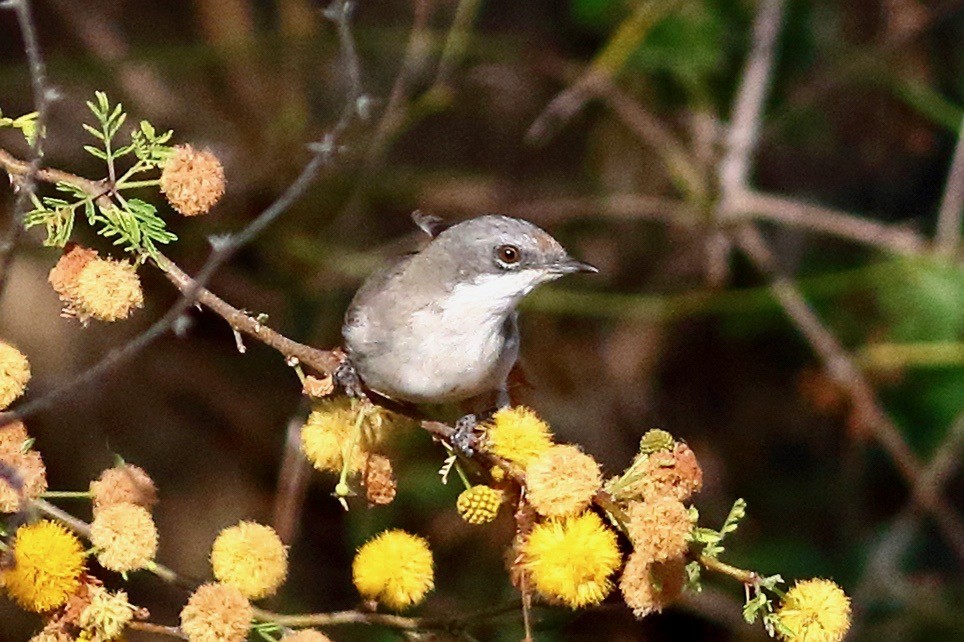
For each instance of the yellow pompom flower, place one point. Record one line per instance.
(106, 290)
(251, 557)
(14, 374)
(571, 559)
(814, 611)
(479, 504)
(125, 537)
(192, 180)
(395, 568)
(562, 481)
(106, 616)
(327, 435)
(518, 435)
(46, 566)
(216, 613)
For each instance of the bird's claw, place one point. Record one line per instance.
(464, 439)
(346, 377)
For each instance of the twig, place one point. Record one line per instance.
(741, 575)
(159, 629)
(885, 558)
(842, 368)
(193, 291)
(456, 42)
(387, 619)
(324, 154)
(793, 212)
(948, 240)
(606, 64)
(42, 96)
(745, 121)
(681, 166)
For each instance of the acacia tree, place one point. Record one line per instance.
(578, 536)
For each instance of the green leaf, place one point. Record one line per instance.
(96, 133)
(96, 152)
(737, 513)
(753, 607)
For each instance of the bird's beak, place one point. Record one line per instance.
(570, 265)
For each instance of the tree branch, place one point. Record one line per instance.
(843, 369)
(745, 121)
(42, 96)
(948, 240)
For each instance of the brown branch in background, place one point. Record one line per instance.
(456, 42)
(948, 239)
(683, 169)
(817, 218)
(882, 569)
(42, 96)
(607, 63)
(746, 120)
(841, 368)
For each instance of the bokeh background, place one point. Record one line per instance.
(676, 332)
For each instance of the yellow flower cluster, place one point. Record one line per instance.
(329, 435)
(92, 287)
(394, 568)
(663, 475)
(29, 479)
(814, 611)
(124, 536)
(479, 504)
(46, 566)
(216, 613)
(192, 180)
(571, 559)
(518, 435)
(251, 557)
(14, 374)
(562, 481)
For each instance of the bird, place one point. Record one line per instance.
(439, 326)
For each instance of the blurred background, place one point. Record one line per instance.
(604, 121)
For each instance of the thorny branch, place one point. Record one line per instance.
(324, 154)
(42, 96)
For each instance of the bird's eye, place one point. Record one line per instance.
(508, 254)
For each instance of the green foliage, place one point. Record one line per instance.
(760, 604)
(27, 124)
(712, 540)
(129, 222)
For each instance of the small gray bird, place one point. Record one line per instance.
(439, 326)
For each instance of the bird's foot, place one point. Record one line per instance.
(346, 377)
(464, 438)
